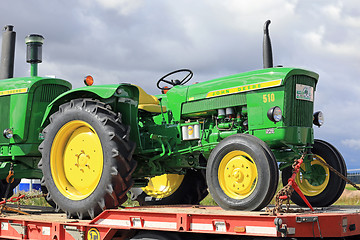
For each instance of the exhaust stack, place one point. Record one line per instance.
(7, 53)
(267, 50)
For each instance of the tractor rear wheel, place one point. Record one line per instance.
(86, 159)
(242, 173)
(169, 189)
(325, 187)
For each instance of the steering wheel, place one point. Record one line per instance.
(176, 81)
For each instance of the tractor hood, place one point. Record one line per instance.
(27, 84)
(244, 82)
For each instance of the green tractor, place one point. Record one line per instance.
(93, 146)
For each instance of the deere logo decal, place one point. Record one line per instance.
(13, 91)
(244, 88)
(93, 234)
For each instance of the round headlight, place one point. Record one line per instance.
(8, 133)
(318, 119)
(275, 114)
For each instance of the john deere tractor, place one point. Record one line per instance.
(93, 145)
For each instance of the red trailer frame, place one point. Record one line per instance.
(335, 222)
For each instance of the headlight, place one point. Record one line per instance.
(318, 119)
(275, 114)
(8, 133)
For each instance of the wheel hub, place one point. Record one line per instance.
(237, 174)
(76, 160)
(82, 161)
(319, 181)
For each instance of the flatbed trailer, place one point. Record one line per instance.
(182, 222)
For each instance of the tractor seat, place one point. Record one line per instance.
(149, 103)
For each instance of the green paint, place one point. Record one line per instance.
(27, 104)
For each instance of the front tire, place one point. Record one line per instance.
(169, 189)
(326, 187)
(241, 173)
(86, 159)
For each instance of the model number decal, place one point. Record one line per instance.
(270, 97)
(270, 131)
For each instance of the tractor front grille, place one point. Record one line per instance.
(298, 113)
(49, 92)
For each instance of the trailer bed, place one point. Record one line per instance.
(43, 223)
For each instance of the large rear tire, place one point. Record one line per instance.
(169, 189)
(86, 159)
(242, 173)
(326, 187)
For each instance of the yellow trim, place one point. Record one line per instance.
(244, 88)
(76, 160)
(237, 174)
(163, 186)
(148, 102)
(306, 187)
(13, 91)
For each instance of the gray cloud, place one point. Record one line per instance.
(138, 41)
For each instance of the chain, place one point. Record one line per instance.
(337, 173)
(16, 199)
(285, 193)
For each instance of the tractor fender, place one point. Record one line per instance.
(96, 92)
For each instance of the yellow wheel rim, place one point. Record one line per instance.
(237, 174)
(76, 160)
(318, 185)
(163, 186)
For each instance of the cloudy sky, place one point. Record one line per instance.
(138, 41)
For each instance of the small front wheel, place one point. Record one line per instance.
(325, 187)
(242, 174)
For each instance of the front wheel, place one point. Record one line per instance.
(86, 159)
(169, 189)
(241, 173)
(325, 187)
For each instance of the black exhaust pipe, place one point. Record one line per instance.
(7, 53)
(267, 50)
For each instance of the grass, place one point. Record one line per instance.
(350, 187)
(31, 199)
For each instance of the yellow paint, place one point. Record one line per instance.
(190, 130)
(163, 186)
(307, 188)
(148, 102)
(270, 97)
(93, 234)
(244, 88)
(237, 174)
(13, 91)
(76, 160)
